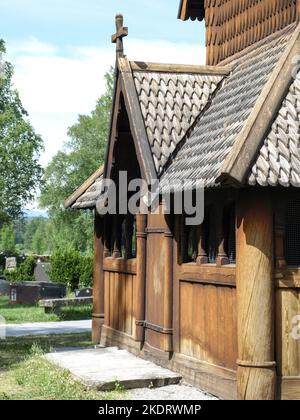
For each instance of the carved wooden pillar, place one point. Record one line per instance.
(117, 237)
(128, 236)
(280, 234)
(256, 375)
(107, 237)
(222, 258)
(139, 299)
(98, 279)
(183, 241)
(201, 256)
(168, 286)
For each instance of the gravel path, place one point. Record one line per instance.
(170, 392)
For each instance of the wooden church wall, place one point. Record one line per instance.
(205, 325)
(119, 284)
(124, 292)
(185, 316)
(287, 309)
(232, 25)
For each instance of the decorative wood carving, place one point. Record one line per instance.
(202, 256)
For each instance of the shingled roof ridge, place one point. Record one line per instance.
(149, 67)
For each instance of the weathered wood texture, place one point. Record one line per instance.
(139, 298)
(119, 307)
(256, 375)
(287, 330)
(204, 322)
(233, 25)
(207, 323)
(159, 318)
(98, 279)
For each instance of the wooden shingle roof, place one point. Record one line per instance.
(278, 163)
(218, 147)
(170, 102)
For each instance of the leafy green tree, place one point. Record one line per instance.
(38, 244)
(20, 147)
(32, 225)
(7, 239)
(82, 154)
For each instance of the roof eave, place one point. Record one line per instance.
(186, 12)
(82, 189)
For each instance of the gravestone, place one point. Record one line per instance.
(41, 272)
(32, 292)
(10, 263)
(87, 292)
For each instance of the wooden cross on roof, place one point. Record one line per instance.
(121, 33)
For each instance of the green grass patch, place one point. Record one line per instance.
(19, 314)
(26, 375)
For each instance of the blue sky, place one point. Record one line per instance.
(61, 50)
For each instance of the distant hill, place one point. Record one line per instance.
(30, 214)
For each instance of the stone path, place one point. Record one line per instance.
(102, 368)
(48, 328)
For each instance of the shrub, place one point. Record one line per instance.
(25, 272)
(65, 267)
(86, 272)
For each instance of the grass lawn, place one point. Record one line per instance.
(18, 314)
(26, 375)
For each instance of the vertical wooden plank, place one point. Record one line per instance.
(116, 300)
(186, 318)
(198, 326)
(212, 323)
(224, 321)
(128, 305)
(121, 295)
(98, 279)
(168, 285)
(288, 349)
(233, 332)
(107, 299)
(132, 297)
(139, 286)
(176, 287)
(112, 308)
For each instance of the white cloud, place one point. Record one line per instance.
(31, 46)
(56, 85)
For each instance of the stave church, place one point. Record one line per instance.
(218, 302)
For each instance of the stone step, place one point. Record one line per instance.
(103, 368)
